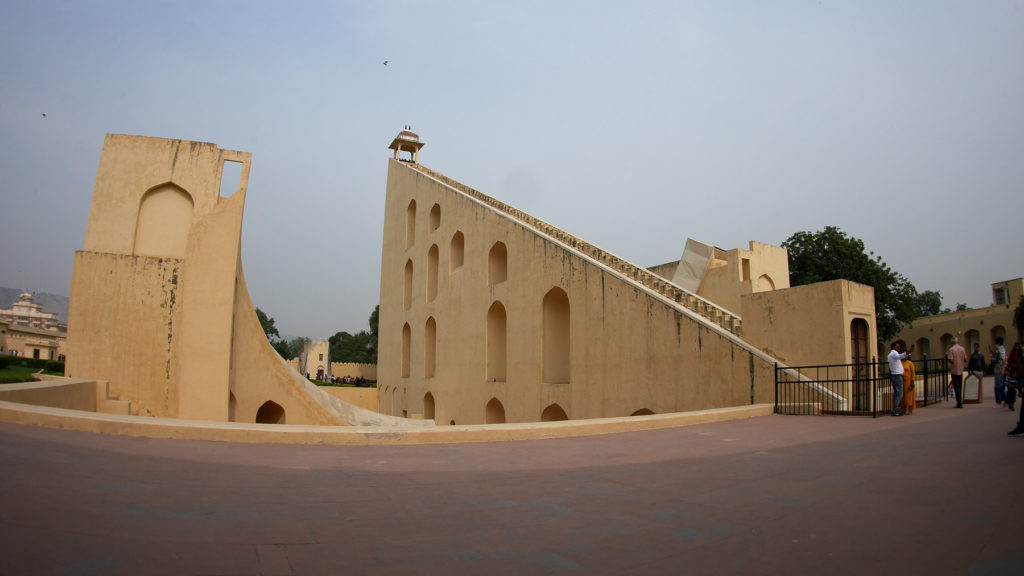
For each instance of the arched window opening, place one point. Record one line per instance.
(457, 251)
(270, 413)
(452, 423)
(428, 406)
(406, 345)
(495, 413)
(924, 347)
(410, 225)
(407, 291)
(497, 264)
(432, 273)
(435, 217)
(429, 348)
(163, 222)
(497, 343)
(642, 412)
(553, 413)
(556, 339)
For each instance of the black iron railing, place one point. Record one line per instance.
(854, 389)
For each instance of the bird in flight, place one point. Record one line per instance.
(44, 114)
(386, 62)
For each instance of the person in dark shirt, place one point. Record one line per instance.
(976, 367)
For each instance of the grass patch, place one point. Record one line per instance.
(17, 374)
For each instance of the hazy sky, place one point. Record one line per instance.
(633, 125)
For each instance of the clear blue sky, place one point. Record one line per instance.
(633, 125)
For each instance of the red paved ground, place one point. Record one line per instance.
(941, 492)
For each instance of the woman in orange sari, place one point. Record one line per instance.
(909, 401)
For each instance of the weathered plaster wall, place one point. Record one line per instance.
(121, 326)
(159, 306)
(630, 349)
(809, 325)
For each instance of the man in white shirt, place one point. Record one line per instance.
(896, 357)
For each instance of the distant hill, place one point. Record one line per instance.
(50, 302)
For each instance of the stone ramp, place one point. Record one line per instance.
(688, 300)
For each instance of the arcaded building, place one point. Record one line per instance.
(933, 335)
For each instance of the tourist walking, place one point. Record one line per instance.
(957, 359)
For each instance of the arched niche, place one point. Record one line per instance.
(270, 413)
(435, 217)
(553, 413)
(406, 352)
(642, 412)
(494, 413)
(163, 223)
(457, 252)
(432, 258)
(497, 343)
(556, 340)
(497, 264)
(428, 406)
(764, 283)
(410, 224)
(429, 348)
(407, 286)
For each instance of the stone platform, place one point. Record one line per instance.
(939, 492)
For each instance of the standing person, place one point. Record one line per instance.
(957, 358)
(1014, 372)
(976, 367)
(909, 394)
(998, 367)
(896, 357)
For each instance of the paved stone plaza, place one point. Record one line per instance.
(939, 492)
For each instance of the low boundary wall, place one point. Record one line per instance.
(139, 426)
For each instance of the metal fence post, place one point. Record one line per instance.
(925, 356)
(776, 388)
(874, 386)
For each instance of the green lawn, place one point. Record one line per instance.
(16, 373)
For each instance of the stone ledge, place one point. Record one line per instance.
(146, 427)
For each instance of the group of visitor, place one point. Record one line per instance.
(1008, 370)
(1009, 375)
(338, 380)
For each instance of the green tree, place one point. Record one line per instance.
(268, 325)
(830, 254)
(929, 303)
(289, 349)
(360, 347)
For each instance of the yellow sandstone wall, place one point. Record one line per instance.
(809, 325)
(368, 371)
(630, 350)
(159, 307)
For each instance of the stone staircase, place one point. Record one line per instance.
(692, 302)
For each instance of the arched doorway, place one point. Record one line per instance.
(859, 357)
